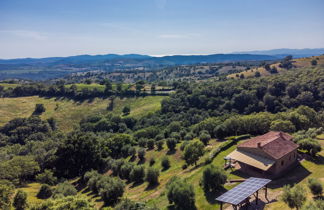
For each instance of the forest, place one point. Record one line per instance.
(107, 153)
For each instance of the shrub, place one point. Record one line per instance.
(112, 191)
(150, 144)
(64, 189)
(137, 174)
(152, 176)
(171, 143)
(181, 194)
(315, 186)
(45, 192)
(46, 177)
(159, 144)
(39, 109)
(314, 62)
(165, 163)
(20, 200)
(213, 178)
(126, 204)
(188, 136)
(126, 110)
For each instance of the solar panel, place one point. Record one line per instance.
(239, 193)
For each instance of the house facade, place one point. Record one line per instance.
(268, 155)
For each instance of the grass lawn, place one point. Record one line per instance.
(68, 113)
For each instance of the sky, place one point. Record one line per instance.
(47, 28)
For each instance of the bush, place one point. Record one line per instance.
(137, 174)
(171, 143)
(141, 154)
(181, 194)
(159, 144)
(64, 189)
(188, 136)
(20, 200)
(126, 110)
(315, 186)
(70, 203)
(46, 177)
(165, 163)
(45, 192)
(152, 176)
(213, 178)
(150, 144)
(112, 191)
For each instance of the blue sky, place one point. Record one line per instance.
(43, 28)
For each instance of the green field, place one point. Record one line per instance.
(68, 113)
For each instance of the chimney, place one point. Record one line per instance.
(259, 144)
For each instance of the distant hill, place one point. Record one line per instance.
(296, 53)
(54, 67)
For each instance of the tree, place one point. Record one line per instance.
(152, 176)
(159, 144)
(39, 109)
(64, 189)
(70, 203)
(171, 143)
(150, 144)
(79, 153)
(165, 163)
(141, 154)
(204, 137)
(20, 200)
(193, 151)
(181, 194)
(315, 205)
(213, 178)
(282, 125)
(312, 146)
(112, 191)
(294, 197)
(315, 186)
(314, 62)
(138, 173)
(6, 192)
(45, 192)
(257, 74)
(46, 177)
(242, 76)
(126, 110)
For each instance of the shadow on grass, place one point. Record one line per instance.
(173, 207)
(318, 160)
(212, 195)
(239, 173)
(141, 162)
(132, 159)
(151, 186)
(293, 176)
(135, 184)
(171, 152)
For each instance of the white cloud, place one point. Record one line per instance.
(26, 34)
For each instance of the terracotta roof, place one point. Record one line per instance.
(275, 144)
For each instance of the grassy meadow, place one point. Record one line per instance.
(68, 113)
